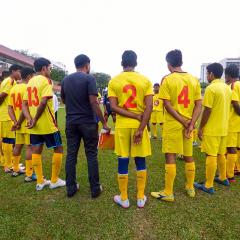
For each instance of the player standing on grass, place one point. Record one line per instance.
(8, 136)
(130, 96)
(181, 94)
(213, 128)
(233, 138)
(22, 133)
(38, 110)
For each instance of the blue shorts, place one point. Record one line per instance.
(52, 140)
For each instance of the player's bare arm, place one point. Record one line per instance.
(2, 97)
(122, 111)
(204, 120)
(13, 117)
(95, 106)
(137, 138)
(236, 107)
(175, 114)
(26, 112)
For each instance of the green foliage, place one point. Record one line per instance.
(204, 85)
(102, 80)
(57, 74)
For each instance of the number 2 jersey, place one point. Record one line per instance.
(182, 90)
(40, 87)
(130, 88)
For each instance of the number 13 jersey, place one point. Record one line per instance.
(40, 87)
(182, 90)
(130, 88)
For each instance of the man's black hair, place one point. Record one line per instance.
(14, 67)
(81, 60)
(26, 71)
(5, 74)
(40, 63)
(232, 71)
(129, 59)
(156, 84)
(216, 69)
(174, 58)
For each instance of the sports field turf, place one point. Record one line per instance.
(49, 214)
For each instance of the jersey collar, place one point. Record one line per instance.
(217, 80)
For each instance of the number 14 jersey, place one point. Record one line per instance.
(130, 88)
(40, 87)
(182, 90)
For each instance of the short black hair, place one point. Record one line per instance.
(232, 71)
(14, 67)
(5, 74)
(174, 58)
(81, 60)
(156, 84)
(26, 71)
(129, 59)
(40, 63)
(216, 69)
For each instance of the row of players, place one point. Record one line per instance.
(131, 97)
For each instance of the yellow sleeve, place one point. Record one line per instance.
(208, 98)
(111, 90)
(7, 87)
(198, 92)
(10, 99)
(235, 93)
(149, 90)
(164, 90)
(47, 91)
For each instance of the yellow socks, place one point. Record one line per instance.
(123, 186)
(7, 154)
(211, 167)
(190, 174)
(154, 127)
(16, 160)
(29, 168)
(56, 166)
(141, 183)
(238, 162)
(37, 164)
(170, 174)
(221, 162)
(231, 161)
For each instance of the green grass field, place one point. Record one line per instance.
(49, 214)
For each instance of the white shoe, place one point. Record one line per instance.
(141, 202)
(40, 187)
(58, 183)
(124, 204)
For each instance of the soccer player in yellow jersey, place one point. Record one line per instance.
(38, 110)
(233, 138)
(8, 136)
(18, 119)
(130, 96)
(181, 96)
(157, 113)
(213, 127)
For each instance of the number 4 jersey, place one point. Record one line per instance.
(40, 87)
(130, 88)
(182, 90)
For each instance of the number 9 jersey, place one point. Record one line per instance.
(130, 88)
(182, 90)
(40, 87)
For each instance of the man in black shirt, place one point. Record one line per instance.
(107, 109)
(79, 93)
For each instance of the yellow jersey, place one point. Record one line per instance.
(217, 97)
(15, 100)
(6, 87)
(157, 103)
(234, 119)
(40, 87)
(130, 88)
(182, 90)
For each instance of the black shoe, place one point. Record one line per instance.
(97, 193)
(72, 193)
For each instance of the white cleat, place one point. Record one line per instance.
(124, 204)
(40, 187)
(58, 183)
(141, 202)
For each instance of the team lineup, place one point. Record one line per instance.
(176, 104)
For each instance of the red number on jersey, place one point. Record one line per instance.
(129, 103)
(183, 97)
(17, 101)
(33, 99)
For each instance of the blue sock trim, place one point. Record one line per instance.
(8, 140)
(123, 165)
(140, 163)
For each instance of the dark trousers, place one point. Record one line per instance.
(89, 134)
